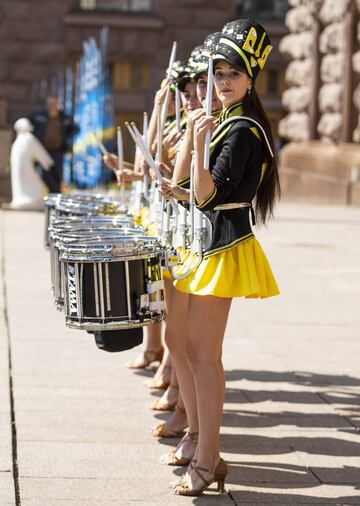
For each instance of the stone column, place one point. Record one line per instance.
(332, 45)
(298, 45)
(356, 75)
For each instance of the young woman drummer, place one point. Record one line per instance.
(197, 69)
(154, 351)
(177, 422)
(242, 170)
(164, 377)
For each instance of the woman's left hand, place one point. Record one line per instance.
(168, 189)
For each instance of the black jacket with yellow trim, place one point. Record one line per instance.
(236, 165)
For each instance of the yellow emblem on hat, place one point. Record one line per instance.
(249, 44)
(264, 56)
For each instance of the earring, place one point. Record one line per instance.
(249, 91)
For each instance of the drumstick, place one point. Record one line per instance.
(120, 162)
(177, 109)
(120, 149)
(145, 128)
(208, 107)
(151, 162)
(191, 200)
(172, 60)
(145, 137)
(100, 144)
(137, 138)
(168, 75)
(163, 113)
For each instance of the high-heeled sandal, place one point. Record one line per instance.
(162, 431)
(161, 405)
(183, 477)
(159, 384)
(148, 357)
(172, 460)
(219, 475)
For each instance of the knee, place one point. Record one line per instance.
(200, 358)
(175, 342)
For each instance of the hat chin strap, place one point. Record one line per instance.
(236, 118)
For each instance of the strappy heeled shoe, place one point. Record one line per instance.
(160, 384)
(172, 460)
(183, 477)
(219, 475)
(161, 405)
(147, 358)
(162, 430)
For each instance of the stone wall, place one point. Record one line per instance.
(332, 48)
(298, 46)
(356, 67)
(39, 37)
(317, 46)
(32, 48)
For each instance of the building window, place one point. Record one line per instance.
(117, 5)
(262, 9)
(130, 76)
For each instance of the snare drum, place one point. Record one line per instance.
(59, 205)
(115, 283)
(61, 235)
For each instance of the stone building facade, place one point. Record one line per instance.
(323, 101)
(40, 37)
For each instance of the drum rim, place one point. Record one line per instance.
(106, 233)
(114, 325)
(106, 259)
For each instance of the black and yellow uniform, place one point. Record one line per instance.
(234, 264)
(185, 183)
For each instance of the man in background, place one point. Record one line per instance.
(55, 130)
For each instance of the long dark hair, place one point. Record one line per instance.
(269, 189)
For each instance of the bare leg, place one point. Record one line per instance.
(207, 322)
(153, 351)
(169, 398)
(162, 377)
(176, 337)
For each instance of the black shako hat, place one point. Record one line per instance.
(201, 60)
(245, 45)
(189, 68)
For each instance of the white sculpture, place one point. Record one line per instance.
(27, 186)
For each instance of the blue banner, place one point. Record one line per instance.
(94, 114)
(68, 111)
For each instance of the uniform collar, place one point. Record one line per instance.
(236, 109)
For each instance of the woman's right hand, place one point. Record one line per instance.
(171, 140)
(193, 117)
(111, 161)
(161, 94)
(168, 189)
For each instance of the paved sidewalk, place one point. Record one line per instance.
(291, 421)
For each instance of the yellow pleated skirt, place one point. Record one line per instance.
(241, 271)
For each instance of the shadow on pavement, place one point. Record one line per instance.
(329, 410)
